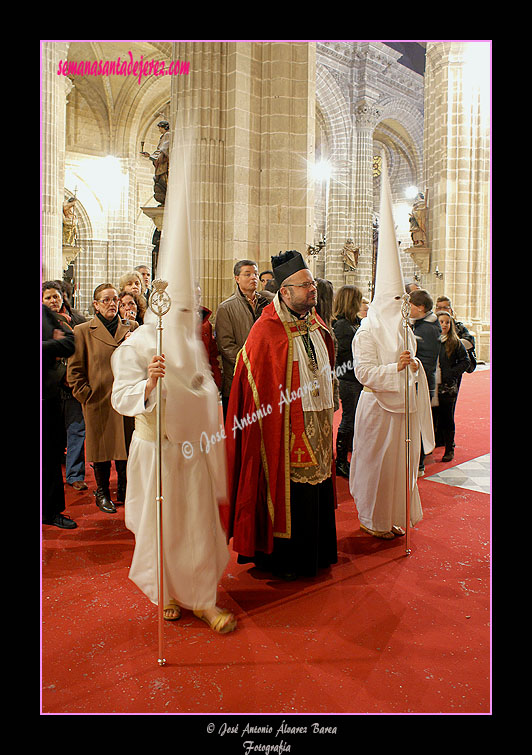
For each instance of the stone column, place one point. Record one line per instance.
(54, 91)
(200, 98)
(254, 104)
(339, 218)
(456, 156)
(121, 219)
(286, 146)
(366, 116)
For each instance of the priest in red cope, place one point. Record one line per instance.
(279, 429)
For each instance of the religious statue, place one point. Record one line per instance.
(70, 222)
(161, 160)
(418, 221)
(350, 254)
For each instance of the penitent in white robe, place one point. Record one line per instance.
(377, 479)
(194, 543)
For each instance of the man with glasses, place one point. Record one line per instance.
(279, 433)
(90, 376)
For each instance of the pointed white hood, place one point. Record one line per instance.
(384, 313)
(191, 394)
(385, 322)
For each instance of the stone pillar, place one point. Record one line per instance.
(254, 103)
(339, 218)
(287, 124)
(201, 98)
(456, 157)
(54, 91)
(366, 116)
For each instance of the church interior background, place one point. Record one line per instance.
(291, 137)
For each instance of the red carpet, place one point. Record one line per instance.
(377, 633)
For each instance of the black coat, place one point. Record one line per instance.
(453, 367)
(344, 332)
(53, 352)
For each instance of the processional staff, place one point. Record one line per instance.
(159, 303)
(405, 314)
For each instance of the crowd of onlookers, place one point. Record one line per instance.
(77, 377)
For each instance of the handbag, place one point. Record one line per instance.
(472, 360)
(448, 390)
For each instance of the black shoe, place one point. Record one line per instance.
(104, 502)
(59, 520)
(449, 455)
(342, 468)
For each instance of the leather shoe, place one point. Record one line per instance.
(79, 485)
(65, 522)
(104, 503)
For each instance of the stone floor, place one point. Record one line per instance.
(473, 475)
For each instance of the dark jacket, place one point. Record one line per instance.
(54, 353)
(427, 331)
(344, 332)
(453, 367)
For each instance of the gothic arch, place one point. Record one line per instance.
(334, 111)
(91, 96)
(404, 121)
(139, 111)
(84, 221)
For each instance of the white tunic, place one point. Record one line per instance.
(194, 543)
(377, 471)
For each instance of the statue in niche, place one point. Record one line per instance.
(70, 222)
(161, 160)
(418, 221)
(350, 254)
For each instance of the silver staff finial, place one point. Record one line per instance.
(159, 301)
(405, 307)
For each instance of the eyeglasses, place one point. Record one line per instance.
(308, 284)
(107, 300)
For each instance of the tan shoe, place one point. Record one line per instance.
(381, 535)
(222, 623)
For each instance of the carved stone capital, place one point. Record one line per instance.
(366, 114)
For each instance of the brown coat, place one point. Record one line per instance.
(234, 320)
(90, 376)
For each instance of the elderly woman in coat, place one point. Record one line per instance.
(90, 376)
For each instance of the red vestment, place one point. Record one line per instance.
(265, 432)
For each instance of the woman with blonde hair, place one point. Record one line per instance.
(133, 283)
(346, 306)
